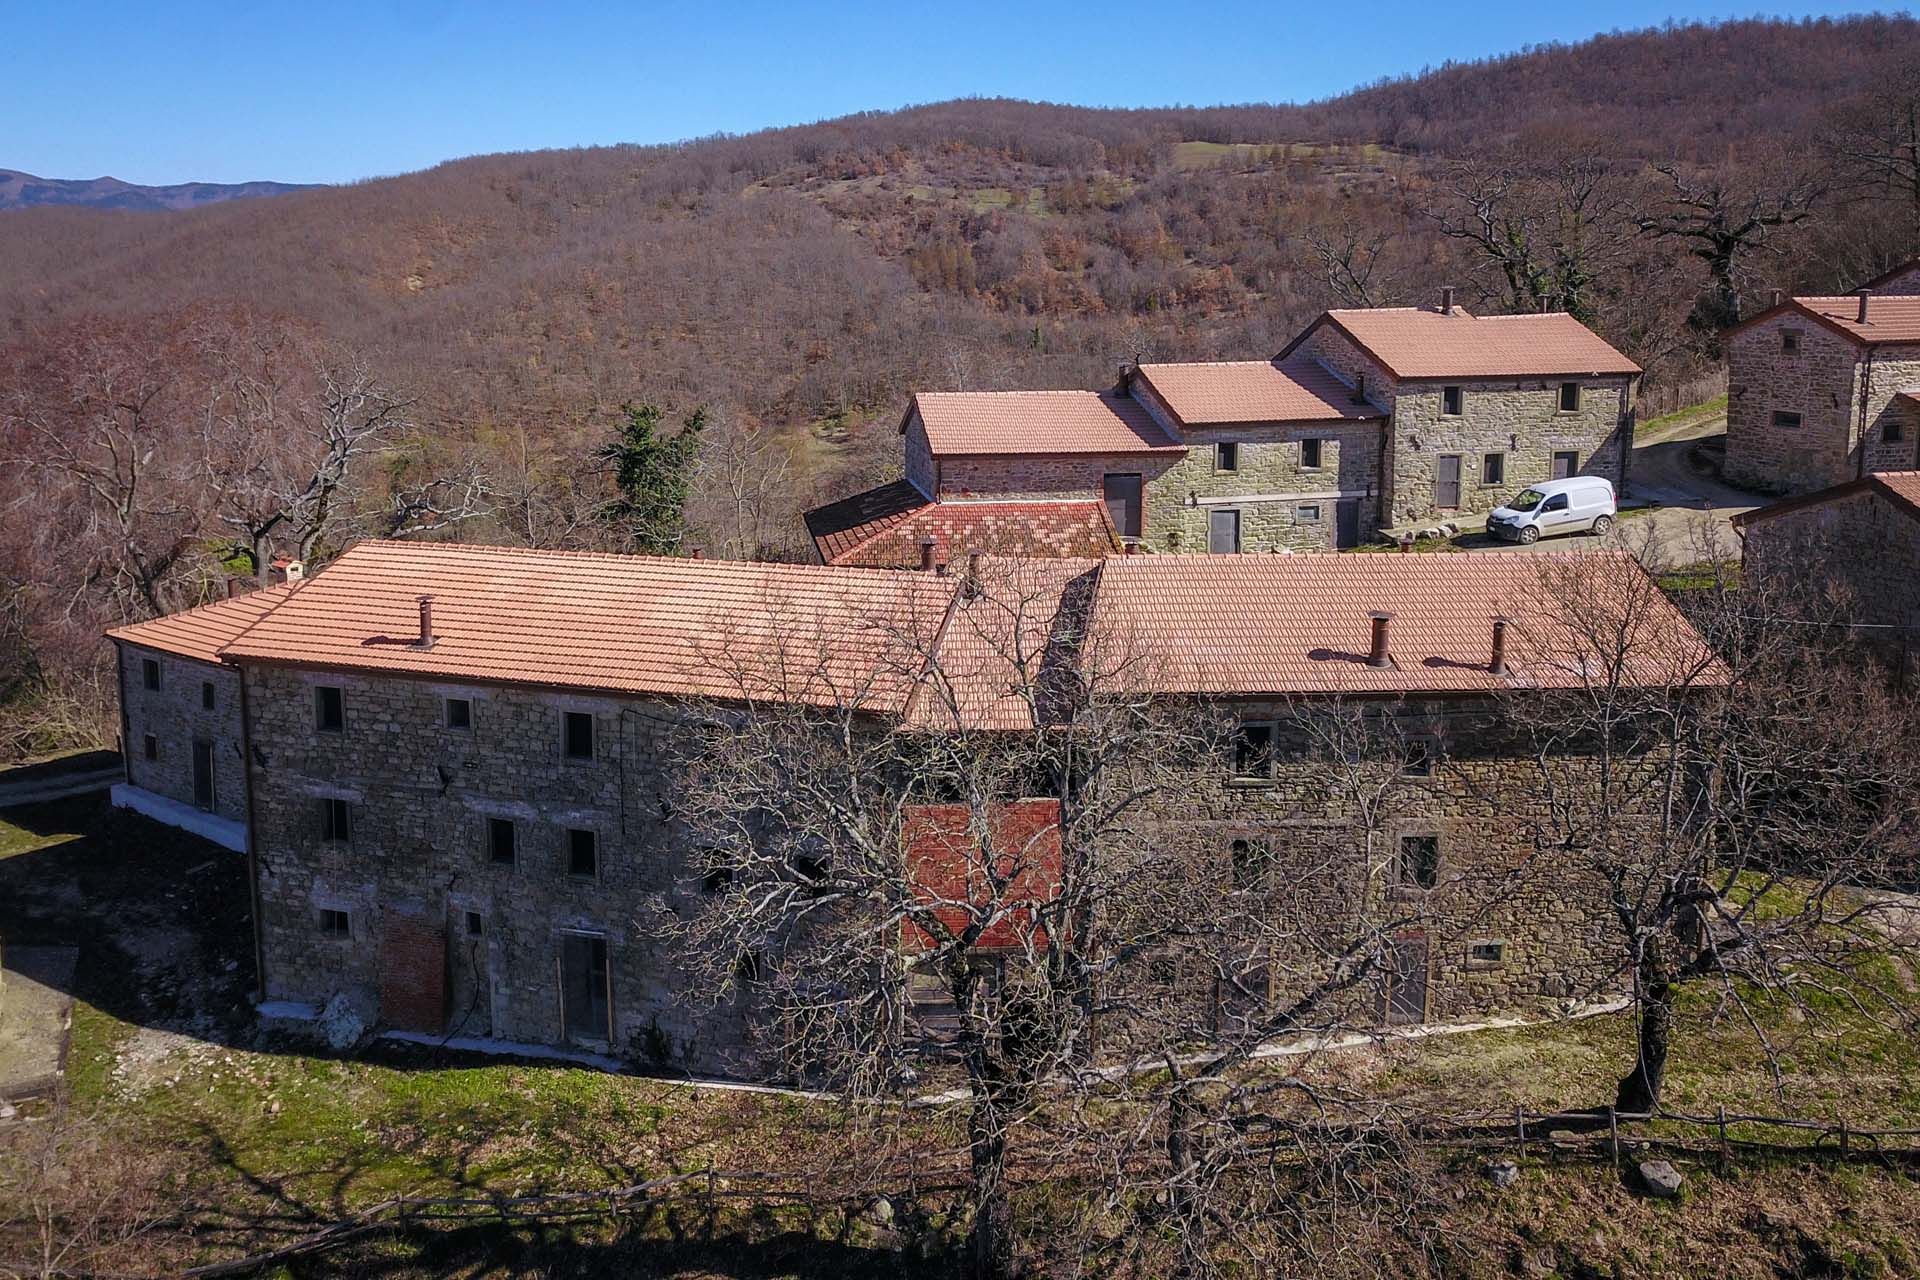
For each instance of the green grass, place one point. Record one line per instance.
(1693, 413)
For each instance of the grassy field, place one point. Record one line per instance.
(257, 1140)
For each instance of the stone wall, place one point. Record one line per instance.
(1270, 486)
(921, 469)
(1892, 442)
(175, 717)
(1816, 381)
(1044, 476)
(420, 796)
(1907, 282)
(1865, 544)
(1518, 418)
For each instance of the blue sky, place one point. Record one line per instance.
(325, 92)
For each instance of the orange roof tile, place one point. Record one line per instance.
(611, 623)
(839, 527)
(988, 672)
(1297, 389)
(201, 633)
(1250, 625)
(1891, 318)
(1067, 527)
(1039, 422)
(1421, 342)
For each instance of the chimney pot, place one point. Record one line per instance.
(1446, 301)
(1378, 656)
(696, 554)
(426, 623)
(1498, 664)
(233, 587)
(1779, 296)
(927, 548)
(1863, 295)
(1359, 388)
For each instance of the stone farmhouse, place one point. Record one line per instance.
(1823, 390)
(452, 766)
(1368, 420)
(1859, 540)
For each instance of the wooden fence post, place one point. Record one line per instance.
(1725, 1154)
(1520, 1128)
(1613, 1134)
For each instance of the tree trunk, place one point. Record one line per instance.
(1639, 1090)
(990, 1237)
(1183, 1184)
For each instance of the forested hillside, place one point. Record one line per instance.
(484, 321)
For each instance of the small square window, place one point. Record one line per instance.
(1253, 751)
(579, 735)
(583, 854)
(335, 821)
(1417, 863)
(206, 694)
(1418, 761)
(1789, 340)
(335, 924)
(150, 747)
(1893, 432)
(502, 839)
(1453, 401)
(1493, 469)
(475, 925)
(329, 709)
(1226, 456)
(1252, 859)
(1307, 513)
(150, 673)
(1786, 419)
(1485, 952)
(459, 713)
(1569, 397)
(1310, 455)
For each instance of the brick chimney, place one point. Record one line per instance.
(426, 624)
(1863, 295)
(1377, 656)
(928, 547)
(1497, 665)
(287, 570)
(1446, 301)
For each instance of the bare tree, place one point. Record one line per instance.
(946, 870)
(1725, 216)
(1350, 257)
(1876, 140)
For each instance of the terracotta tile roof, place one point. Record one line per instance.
(1890, 318)
(201, 633)
(1901, 488)
(607, 623)
(1039, 422)
(1297, 389)
(1420, 342)
(1250, 625)
(1006, 644)
(1069, 527)
(839, 527)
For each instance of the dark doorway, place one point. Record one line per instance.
(1446, 480)
(1123, 503)
(1565, 464)
(203, 775)
(1223, 532)
(583, 988)
(1346, 523)
(1406, 982)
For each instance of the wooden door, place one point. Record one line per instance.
(1123, 503)
(1346, 523)
(1446, 480)
(584, 1005)
(1565, 463)
(203, 775)
(1223, 532)
(1405, 1002)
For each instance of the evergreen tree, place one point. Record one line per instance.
(652, 473)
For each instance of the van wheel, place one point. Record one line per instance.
(1601, 524)
(1529, 535)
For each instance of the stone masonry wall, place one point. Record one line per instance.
(420, 796)
(1044, 477)
(1269, 487)
(1863, 543)
(176, 716)
(1815, 381)
(1892, 443)
(1519, 418)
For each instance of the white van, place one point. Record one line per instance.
(1555, 506)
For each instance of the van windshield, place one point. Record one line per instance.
(1526, 500)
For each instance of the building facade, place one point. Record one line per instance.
(1368, 420)
(464, 807)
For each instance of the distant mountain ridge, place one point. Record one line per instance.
(25, 191)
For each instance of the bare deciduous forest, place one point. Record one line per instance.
(450, 350)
